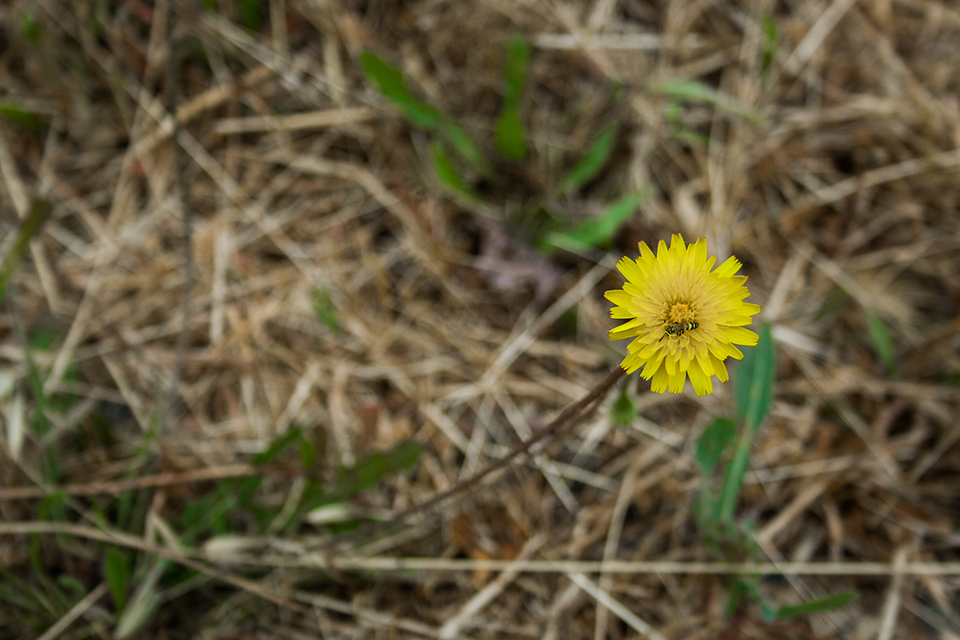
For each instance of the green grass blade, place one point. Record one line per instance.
(754, 380)
(268, 455)
(308, 455)
(719, 434)
(29, 227)
(325, 309)
(515, 71)
(674, 116)
(623, 412)
(696, 91)
(820, 605)
(883, 344)
(706, 512)
(599, 231)
(19, 593)
(251, 14)
(392, 85)
(387, 78)
(733, 479)
(837, 298)
(592, 162)
(116, 571)
(142, 606)
(23, 117)
(753, 383)
(29, 27)
(366, 473)
(771, 42)
(466, 148)
(448, 174)
(511, 137)
(39, 421)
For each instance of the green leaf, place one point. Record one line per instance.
(771, 42)
(680, 131)
(515, 71)
(19, 594)
(325, 309)
(29, 227)
(23, 117)
(696, 91)
(251, 14)
(240, 491)
(623, 412)
(388, 79)
(277, 446)
(592, 162)
(714, 440)
(753, 383)
(464, 145)
(511, 138)
(366, 473)
(707, 509)
(883, 344)
(448, 174)
(599, 231)
(754, 380)
(391, 83)
(820, 605)
(308, 456)
(29, 27)
(738, 591)
(834, 302)
(116, 571)
(49, 468)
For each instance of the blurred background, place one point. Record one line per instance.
(400, 219)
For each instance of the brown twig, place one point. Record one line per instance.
(115, 487)
(566, 419)
(179, 162)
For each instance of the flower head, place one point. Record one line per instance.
(685, 319)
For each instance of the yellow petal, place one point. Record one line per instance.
(739, 335)
(729, 267)
(630, 270)
(676, 382)
(660, 382)
(720, 369)
(681, 274)
(618, 297)
(702, 385)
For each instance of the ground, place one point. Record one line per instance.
(386, 289)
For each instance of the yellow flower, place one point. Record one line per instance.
(685, 318)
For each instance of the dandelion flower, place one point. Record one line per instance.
(685, 319)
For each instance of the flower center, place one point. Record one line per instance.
(679, 312)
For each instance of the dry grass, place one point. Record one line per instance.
(842, 203)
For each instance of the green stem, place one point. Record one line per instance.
(733, 479)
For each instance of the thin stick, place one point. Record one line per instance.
(132, 542)
(621, 567)
(116, 487)
(567, 418)
(185, 212)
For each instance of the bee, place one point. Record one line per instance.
(678, 329)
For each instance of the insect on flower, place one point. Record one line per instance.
(677, 293)
(678, 329)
